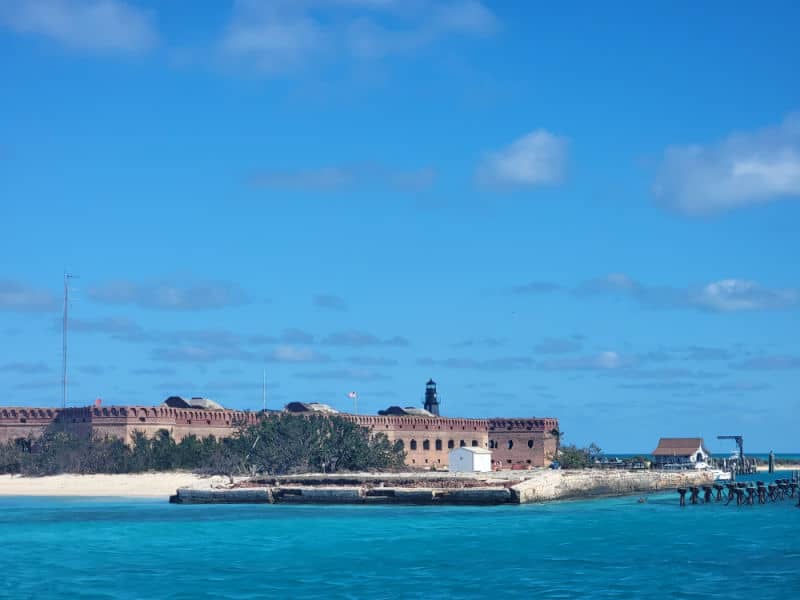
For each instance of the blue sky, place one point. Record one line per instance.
(588, 213)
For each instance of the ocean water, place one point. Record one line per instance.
(609, 548)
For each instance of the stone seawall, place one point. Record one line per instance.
(558, 485)
(472, 489)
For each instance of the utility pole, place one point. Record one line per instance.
(67, 277)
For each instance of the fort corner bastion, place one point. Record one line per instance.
(426, 436)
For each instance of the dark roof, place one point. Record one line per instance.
(678, 446)
(176, 402)
(408, 411)
(317, 407)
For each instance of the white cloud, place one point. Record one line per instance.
(281, 35)
(293, 354)
(537, 158)
(738, 294)
(602, 361)
(361, 338)
(94, 25)
(726, 295)
(744, 169)
(170, 295)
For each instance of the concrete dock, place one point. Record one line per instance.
(436, 488)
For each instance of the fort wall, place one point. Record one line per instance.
(520, 443)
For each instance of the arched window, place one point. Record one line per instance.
(461, 444)
(426, 445)
(401, 444)
(413, 444)
(474, 443)
(530, 443)
(438, 444)
(510, 444)
(451, 444)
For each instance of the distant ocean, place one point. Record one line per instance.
(793, 457)
(612, 548)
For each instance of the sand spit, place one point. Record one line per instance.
(142, 485)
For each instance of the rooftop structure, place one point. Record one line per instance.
(315, 407)
(195, 402)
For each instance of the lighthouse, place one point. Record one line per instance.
(431, 398)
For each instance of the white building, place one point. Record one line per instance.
(469, 460)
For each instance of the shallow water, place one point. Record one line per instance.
(613, 548)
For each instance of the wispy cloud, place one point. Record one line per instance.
(195, 353)
(726, 295)
(40, 384)
(110, 325)
(329, 302)
(695, 389)
(283, 35)
(744, 169)
(101, 26)
(701, 353)
(20, 297)
(337, 177)
(28, 368)
(372, 361)
(162, 371)
(287, 336)
(295, 354)
(602, 361)
(537, 158)
(355, 374)
(506, 363)
(670, 373)
(769, 363)
(536, 287)
(558, 345)
(94, 369)
(169, 295)
(361, 338)
(488, 342)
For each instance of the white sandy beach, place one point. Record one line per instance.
(780, 467)
(136, 484)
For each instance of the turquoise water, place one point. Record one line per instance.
(611, 548)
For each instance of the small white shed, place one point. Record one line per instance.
(469, 460)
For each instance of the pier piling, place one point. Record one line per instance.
(718, 488)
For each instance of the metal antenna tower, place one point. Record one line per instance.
(67, 277)
(264, 392)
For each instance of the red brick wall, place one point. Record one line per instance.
(522, 442)
(513, 442)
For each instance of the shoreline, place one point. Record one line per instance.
(164, 484)
(127, 485)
